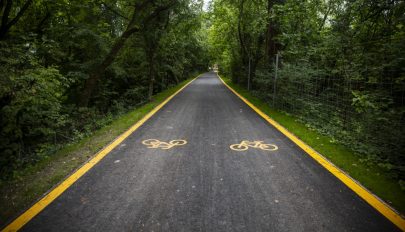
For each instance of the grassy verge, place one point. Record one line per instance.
(18, 194)
(371, 176)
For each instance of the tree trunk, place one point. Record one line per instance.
(240, 36)
(151, 74)
(176, 79)
(4, 18)
(272, 46)
(5, 24)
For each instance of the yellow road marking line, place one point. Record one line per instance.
(24, 218)
(364, 193)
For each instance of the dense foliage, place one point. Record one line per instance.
(340, 66)
(68, 67)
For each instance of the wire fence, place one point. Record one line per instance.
(368, 116)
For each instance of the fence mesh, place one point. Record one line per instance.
(366, 115)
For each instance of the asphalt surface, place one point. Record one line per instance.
(204, 185)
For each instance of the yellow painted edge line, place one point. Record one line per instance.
(24, 218)
(370, 198)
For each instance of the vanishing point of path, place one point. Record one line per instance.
(151, 182)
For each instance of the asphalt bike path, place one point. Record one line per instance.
(207, 162)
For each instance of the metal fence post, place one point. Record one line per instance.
(275, 81)
(248, 87)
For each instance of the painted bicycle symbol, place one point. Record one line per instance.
(245, 144)
(154, 143)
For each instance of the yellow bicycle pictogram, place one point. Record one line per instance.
(245, 144)
(155, 143)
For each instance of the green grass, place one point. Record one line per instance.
(373, 177)
(31, 183)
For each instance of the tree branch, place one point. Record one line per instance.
(159, 10)
(20, 13)
(114, 11)
(325, 17)
(1, 5)
(5, 25)
(4, 20)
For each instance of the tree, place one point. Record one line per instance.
(6, 9)
(143, 12)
